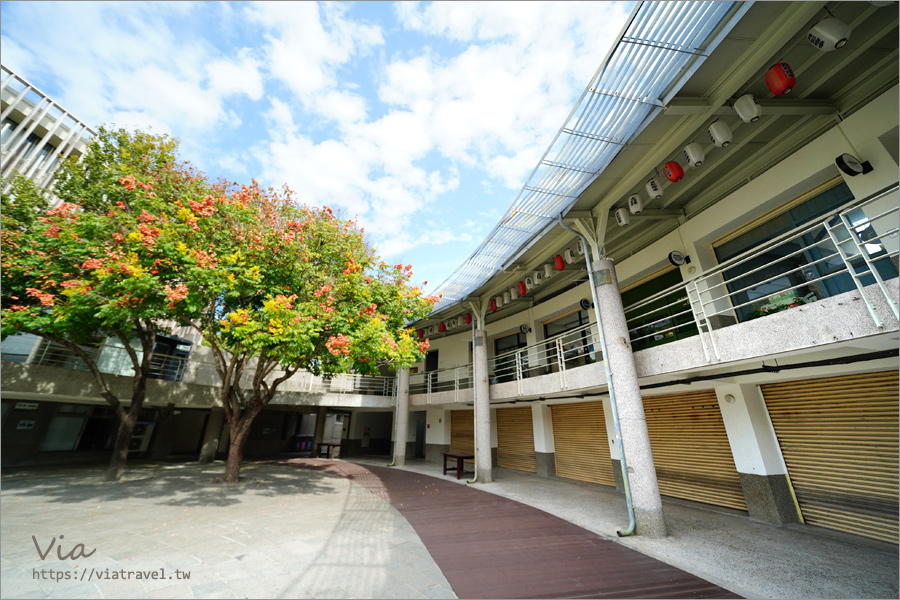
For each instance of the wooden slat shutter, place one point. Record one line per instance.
(580, 442)
(691, 450)
(462, 431)
(515, 439)
(838, 436)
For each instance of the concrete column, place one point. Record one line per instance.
(401, 428)
(757, 455)
(632, 422)
(613, 446)
(321, 415)
(483, 462)
(212, 435)
(544, 448)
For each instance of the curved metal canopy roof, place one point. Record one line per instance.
(658, 50)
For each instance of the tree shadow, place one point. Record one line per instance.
(172, 484)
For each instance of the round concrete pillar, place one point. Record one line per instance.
(211, 436)
(646, 500)
(483, 462)
(402, 418)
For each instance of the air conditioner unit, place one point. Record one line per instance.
(635, 206)
(529, 283)
(654, 190)
(579, 248)
(719, 134)
(140, 437)
(538, 277)
(693, 154)
(569, 256)
(622, 218)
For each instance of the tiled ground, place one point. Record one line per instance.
(286, 533)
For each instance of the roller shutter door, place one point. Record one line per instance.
(691, 450)
(838, 436)
(462, 431)
(515, 439)
(580, 442)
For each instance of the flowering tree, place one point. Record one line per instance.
(276, 288)
(102, 264)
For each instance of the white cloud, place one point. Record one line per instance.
(134, 63)
(306, 44)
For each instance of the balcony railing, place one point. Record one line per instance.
(114, 360)
(441, 380)
(853, 247)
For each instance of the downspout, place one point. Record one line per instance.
(396, 416)
(609, 382)
(474, 391)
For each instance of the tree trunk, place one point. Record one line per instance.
(123, 438)
(237, 437)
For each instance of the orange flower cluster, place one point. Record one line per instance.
(45, 298)
(338, 345)
(176, 295)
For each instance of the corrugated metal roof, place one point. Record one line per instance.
(658, 50)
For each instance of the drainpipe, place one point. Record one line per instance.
(609, 382)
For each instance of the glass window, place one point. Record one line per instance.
(505, 363)
(576, 346)
(802, 270)
(664, 320)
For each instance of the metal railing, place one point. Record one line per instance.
(114, 360)
(109, 359)
(556, 354)
(442, 380)
(849, 248)
(852, 247)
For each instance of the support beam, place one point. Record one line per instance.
(648, 514)
(402, 418)
(211, 436)
(483, 462)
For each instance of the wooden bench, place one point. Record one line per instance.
(459, 457)
(330, 446)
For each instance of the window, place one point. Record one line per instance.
(572, 334)
(792, 273)
(505, 363)
(662, 321)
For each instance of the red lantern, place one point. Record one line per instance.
(442, 328)
(560, 263)
(421, 333)
(522, 289)
(673, 171)
(494, 305)
(780, 79)
(468, 318)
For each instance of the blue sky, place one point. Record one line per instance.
(423, 120)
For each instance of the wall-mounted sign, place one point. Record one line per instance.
(26, 405)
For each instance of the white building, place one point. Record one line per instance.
(759, 367)
(755, 361)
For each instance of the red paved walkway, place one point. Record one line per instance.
(492, 547)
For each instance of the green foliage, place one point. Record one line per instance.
(298, 287)
(101, 261)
